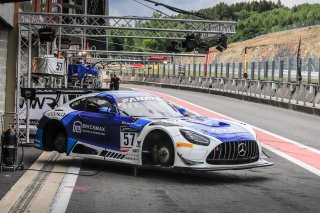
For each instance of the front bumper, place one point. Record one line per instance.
(209, 167)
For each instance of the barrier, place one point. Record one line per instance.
(298, 96)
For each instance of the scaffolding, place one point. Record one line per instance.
(92, 26)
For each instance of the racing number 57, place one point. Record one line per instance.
(59, 66)
(128, 138)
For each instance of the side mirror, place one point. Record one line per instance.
(182, 110)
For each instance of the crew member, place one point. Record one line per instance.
(116, 82)
(111, 86)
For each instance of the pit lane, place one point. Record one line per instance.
(284, 187)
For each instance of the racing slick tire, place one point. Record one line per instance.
(59, 143)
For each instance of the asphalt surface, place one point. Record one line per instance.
(8, 177)
(284, 187)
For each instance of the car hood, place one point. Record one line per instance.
(224, 131)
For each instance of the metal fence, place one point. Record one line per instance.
(272, 80)
(281, 70)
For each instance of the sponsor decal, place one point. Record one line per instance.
(127, 129)
(132, 156)
(38, 106)
(79, 127)
(57, 114)
(227, 130)
(139, 99)
(139, 143)
(124, 149)
(184, 145)
(135, 150)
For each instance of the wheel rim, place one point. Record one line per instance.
(164, 154)
(60, 144)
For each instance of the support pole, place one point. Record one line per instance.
(28, 82)
(106, 12)
(135, 171)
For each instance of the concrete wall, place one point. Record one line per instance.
(3, 64)
(6, 13)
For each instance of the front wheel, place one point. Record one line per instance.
(163, 154)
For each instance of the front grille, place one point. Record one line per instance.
(234, 152)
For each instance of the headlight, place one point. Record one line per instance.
(194, 137)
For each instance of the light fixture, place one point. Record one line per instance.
(47, 34)
(65, 42)
(190, 43)
(222, 43)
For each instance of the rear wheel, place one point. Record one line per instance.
(60, 143)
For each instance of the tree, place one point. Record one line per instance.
(253, 18)
(118, 43)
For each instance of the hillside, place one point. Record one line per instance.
(271, 46)
(275, 45)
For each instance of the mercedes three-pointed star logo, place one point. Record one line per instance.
(242, 149)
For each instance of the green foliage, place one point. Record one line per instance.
(253, 18)
(223, 11)
(25, 6)
(252, 24)
(117, 44)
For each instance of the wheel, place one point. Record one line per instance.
(163, 154)
(60, 143)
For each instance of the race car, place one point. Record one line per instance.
(142, 129)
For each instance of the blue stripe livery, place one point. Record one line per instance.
(68, 118)
(70, 144)
(139, 124)
(38, 141)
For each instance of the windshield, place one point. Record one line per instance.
(147, 107)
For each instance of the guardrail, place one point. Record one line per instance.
(283, 70)
(298, 96)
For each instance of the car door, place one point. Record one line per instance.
(95, 121)
(100, 124)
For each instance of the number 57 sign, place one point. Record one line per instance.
(127, 138)
(48, 65)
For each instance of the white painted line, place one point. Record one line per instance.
(62, 198)
(19, 187)
(42, 200)
(293, 160)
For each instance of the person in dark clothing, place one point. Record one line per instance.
(116, 82)
(112, 78)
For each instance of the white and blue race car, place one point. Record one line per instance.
(141, 129)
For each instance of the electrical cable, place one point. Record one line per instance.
(177, 10)
(67, 173)
(265, 153)
(22, 156)
(21, 166)
(159, 11)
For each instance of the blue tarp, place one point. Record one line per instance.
(82, 70)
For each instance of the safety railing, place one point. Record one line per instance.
(270, 81)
